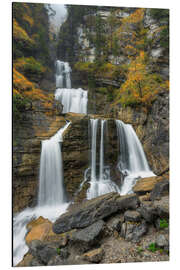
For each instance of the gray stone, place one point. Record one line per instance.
(132, 231)
(56, 260)
(162, 207)
(139, 231)
(94, 210)
(132, 216)
(160, 189)
(43, 253)
(162, 241)
(115, 223)
(147, 211)
(84, 239)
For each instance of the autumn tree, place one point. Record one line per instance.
(141, 86)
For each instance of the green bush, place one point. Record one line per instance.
(163, 224)
(58, 251)
(19, 105)
(152, 247)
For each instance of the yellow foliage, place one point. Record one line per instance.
(20, 82)
(20, 34)
(27, 89)
(28, 19)
(141, 86)
(135, 17)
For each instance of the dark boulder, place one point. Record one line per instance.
(85, 238)
(133, 231)
(160, 189)
(42, 252)
(132, 216)
(147, 211)
(94, 210)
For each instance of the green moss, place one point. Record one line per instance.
(163, 224)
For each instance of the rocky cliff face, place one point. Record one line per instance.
(103, 81)
(36, 124)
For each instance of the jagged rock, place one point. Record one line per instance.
(160, 189)
(133, 231)
(162, 241)
(115, 223)
(94, 210)
(144, 185)
(162, 207)
(56, 260)
(132, 216)
(147, 211)
(139, 231)
(94, 256)
(85, 238)
(41, 251)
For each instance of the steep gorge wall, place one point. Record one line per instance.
(41, 121)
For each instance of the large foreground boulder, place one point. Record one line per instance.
(94, 210)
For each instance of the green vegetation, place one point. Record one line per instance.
(30, 56)
(152, 247)
(30, 67)
(58, 251)
(163, 224)
(140, 249)
(19, 105)
(162, 17)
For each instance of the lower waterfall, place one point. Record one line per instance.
(51, 198)
(132, 161)
(102, 183)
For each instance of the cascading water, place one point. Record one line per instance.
(73, 100)
(132, 160)
(102, 184)
(51, 198)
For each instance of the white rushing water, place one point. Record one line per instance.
(132, 160)
(51, 198)
(102, 183)
(73, 100)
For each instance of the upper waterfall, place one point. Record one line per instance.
(73, 100)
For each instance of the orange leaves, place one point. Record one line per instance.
(28, 19)
(141, 86)
(20, 82)
(135, 17)
(27, 89)
(20, 34)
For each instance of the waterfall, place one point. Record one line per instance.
(51, 190)
(94, 125)
(73, 100)
(51, 198)
(132, 161)
(102, 183)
